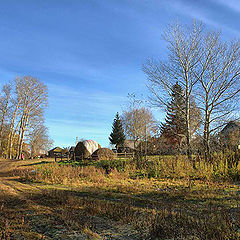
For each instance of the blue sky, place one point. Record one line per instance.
(90, 52)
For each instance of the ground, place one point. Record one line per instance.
(28, 218)
(113, 207)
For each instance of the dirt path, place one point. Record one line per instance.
(41, 220)
(9, 179)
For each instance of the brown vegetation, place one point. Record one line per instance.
(94, 205)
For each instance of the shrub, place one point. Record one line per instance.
(119, 164)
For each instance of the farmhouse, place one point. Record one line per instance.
(128, 146)
(230, 134)
(55, 151)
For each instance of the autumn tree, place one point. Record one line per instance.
(5, 100)
(22, 106)
(39, 141)
(181, 65)
(219, 82)
(117, 136)
(33, 95)
(138, 123)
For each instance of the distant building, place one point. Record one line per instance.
(128, 146)
(39, 154)
(71, 150)
(230, 134)
(55, 151)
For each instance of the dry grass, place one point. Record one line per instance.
(71, 202)
(174, 208)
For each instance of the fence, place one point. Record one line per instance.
(61, 156)
(125, 155)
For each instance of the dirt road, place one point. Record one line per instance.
(24, 216)
(9, 179)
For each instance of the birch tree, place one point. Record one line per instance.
(138, 123)
(33, 95)
(22, 103)
(219, 82)
(204, 65)
(13, 120)
(184, 54)
(5, 100)
(39, 141)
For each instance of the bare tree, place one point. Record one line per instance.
(182, 64)
(27, 104)
(195, 118)
(16, 100)
(200, 61)
(4, 109)
(220, 83)
(138, 123)
(34, 99)
(39, 140)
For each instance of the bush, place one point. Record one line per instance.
(119, 164)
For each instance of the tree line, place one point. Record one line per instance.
(22, 128)
(197, 84)
(208, 70)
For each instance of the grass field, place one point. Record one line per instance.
(40, 199)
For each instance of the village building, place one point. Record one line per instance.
(230, 135)
(57, 151)
(128, 146)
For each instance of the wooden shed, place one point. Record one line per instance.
(55, 152)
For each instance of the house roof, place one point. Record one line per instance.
(56, 149)
(72, 149)
(130, 144)
(230, 125)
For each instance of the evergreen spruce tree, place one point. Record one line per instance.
(174, 128)
(117, 136)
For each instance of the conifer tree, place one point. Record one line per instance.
(117, 136)
(175, 127)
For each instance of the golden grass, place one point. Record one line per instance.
(91, 203)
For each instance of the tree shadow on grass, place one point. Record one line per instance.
(124, 209)
(34, 164)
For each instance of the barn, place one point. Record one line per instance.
(230, 134)
(55, 151)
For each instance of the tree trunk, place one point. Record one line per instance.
(24, 124)
(11, 134)
(1, 127)
(206, 136)
(19, 139)
(188, 137)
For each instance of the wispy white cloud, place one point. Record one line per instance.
(232, 4)
(83, 113)
(196, 13)
(83, 100)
